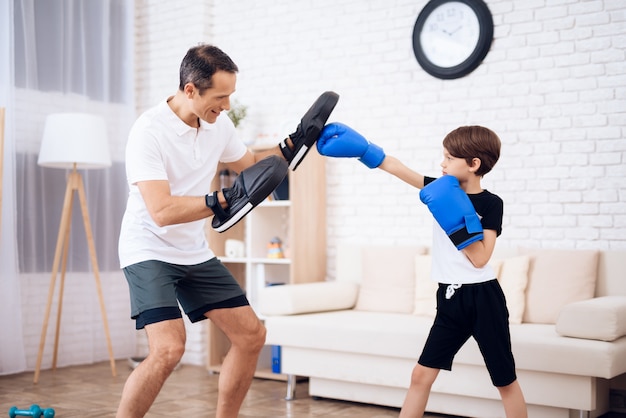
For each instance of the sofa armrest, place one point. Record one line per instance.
(302, 298)
(602, 318)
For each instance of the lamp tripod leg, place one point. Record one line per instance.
(96, 272)
(66, 246)
(63, 227)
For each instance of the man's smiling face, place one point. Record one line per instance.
(216, 99)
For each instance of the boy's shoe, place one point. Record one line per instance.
(309, 129)
(250, 188)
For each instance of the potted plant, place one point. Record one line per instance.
(237, 113)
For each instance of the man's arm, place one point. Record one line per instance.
(250, 158)
(166, 209)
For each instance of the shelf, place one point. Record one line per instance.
(275, 204)
(300, 224)
(285, 261)
(233, 260)
(256, 260)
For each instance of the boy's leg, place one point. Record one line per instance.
(513, 400)
(447, 335)
(166, 341)
(416, 398)
(247, 337)
(494, 339)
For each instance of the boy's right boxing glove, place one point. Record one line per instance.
(339, 140)
(453, 210)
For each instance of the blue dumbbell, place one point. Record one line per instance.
(34, 411)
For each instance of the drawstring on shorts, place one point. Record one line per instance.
(451, 290)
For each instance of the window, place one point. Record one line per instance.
(70, 56)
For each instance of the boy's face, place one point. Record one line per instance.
(455, 166)
(214, 100)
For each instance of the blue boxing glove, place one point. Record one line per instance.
(453, 211)
(339, 140)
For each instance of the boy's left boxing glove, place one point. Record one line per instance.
(453, 210)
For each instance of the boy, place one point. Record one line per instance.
(470, 301)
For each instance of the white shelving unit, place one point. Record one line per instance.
(300, 223)
(268, 220)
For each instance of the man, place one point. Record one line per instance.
(172, 154)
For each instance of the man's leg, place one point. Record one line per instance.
(247, 337)
(166, 341)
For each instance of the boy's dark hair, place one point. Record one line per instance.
(471, 142)
(199, 65)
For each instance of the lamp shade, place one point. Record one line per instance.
(74, 138)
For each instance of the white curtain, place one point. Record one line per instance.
(59, 56)
(12, 356)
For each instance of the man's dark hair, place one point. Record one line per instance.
(471, 142)
(199, 65)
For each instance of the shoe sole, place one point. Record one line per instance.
(330, 101)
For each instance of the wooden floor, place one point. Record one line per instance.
(91, 391)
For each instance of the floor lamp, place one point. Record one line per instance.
(73, 141)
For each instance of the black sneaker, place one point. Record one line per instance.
(309, 129)
(250, 188)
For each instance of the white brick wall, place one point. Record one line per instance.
(164, 31)
(82, 338)
(553, 87)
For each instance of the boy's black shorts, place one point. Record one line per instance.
(477, 310)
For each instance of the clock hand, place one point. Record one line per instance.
(454, 31)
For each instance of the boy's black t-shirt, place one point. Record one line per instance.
(490, 208)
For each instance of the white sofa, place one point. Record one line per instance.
(358, 337)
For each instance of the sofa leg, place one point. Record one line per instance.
(583, 414)
(291, 387)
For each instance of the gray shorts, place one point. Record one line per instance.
(157, 288)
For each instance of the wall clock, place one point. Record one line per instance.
(452, 37)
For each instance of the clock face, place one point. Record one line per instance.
(450, 34)
(452, 37)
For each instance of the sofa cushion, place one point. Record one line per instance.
(388, 283)
(539, 347)
(301, 298)
(513, 278)
(602, 318)
(425, 287)
(379, 333)
(555, 278)
(535, 346)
